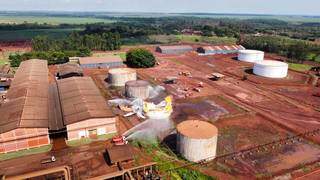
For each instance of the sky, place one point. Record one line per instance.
(295, 7)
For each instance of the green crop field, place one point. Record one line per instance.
(167, 39)
(30, 33)
(299, 67)
(287, 18)
(4, 19)
(210, 40)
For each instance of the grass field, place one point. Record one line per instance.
(29, 34)
(4, 19)
(167, 39)
(287, 18)
(299, 67)
(84, 141)
(211, 40)
(26, 152)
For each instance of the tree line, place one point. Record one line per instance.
(296, 50)
(57, 51)
(75, 41)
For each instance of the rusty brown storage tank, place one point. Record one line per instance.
(119, 76)
(137, 89)
(197, 140)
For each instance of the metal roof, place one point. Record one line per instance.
(222, 48)
(179, 47)
(120, 153)
(65, 69)
(27, 98)
(55, 115)
(81, 100)
(99, 60)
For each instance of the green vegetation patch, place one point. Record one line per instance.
(207, 39)
(299, 67)
(84, 141)
(164, 157)
(28, 34)
(140, 58)
(51, 20)
(12, 155)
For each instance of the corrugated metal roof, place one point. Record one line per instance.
(222, 48)
(99, 60)
(81, 100)
(27, 104)
(65, 69)
(120, 153)
(179, 47)
(55, 115)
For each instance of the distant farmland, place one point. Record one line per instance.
(7, 19)
(28, 34)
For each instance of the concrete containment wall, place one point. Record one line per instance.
(197, 149)
(137, 89)
(271, 69)
(250, 55)
(119, 76)
(197, 140)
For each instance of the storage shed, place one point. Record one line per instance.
(85, 111)
(118, 154)
(227, 49)
(69, 70)
(178, 49)
(101, 62)
(24, 116)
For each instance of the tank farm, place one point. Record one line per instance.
(224, 111)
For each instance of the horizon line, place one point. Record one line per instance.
(160, 12)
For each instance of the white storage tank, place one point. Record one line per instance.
(271, 69)
(137, 89)
(197, 140)
(250, 55)
(119, 76)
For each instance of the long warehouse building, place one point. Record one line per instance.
(84, 110)
(101, 62)
(24, 115)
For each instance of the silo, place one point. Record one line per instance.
(271, 69)
(119, 76)
(137, 89)
(250, 55)
(197, 140)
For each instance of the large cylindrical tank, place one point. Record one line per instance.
(197, 140)
(137, 89)
(119, 76)
(271, 69)
(250, 55)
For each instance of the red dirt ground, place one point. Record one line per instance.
(277, 115)
(86, 161)
(15, 46)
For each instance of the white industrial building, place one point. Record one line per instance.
(197, 140)
(271, 69)
(250, 56)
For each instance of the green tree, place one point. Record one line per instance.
(41, 43)
(140, 58)
(15, 60)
